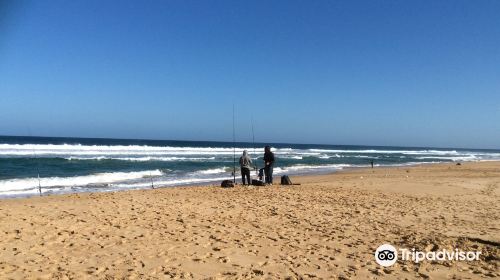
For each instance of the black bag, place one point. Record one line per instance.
(285, 180)
(257, 182)
(227, 184)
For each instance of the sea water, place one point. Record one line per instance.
(68, 165)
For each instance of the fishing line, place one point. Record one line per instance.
(234, 151)
(253, 142)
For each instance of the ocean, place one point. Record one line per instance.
(69, 165)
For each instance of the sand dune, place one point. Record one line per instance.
(329, 227)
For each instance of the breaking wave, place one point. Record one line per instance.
(93, 179)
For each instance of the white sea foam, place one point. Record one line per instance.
(382, 151)
(135, 150)
(300, 168)
(325, 156)
(144, 158)
(358, 156)
(213, 171)
(464, 158)
(293, 157)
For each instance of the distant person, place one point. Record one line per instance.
(268, 165)
(246, 166)
(371, 162)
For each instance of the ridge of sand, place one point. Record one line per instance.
(329, 227)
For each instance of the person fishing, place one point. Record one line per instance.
(246, 166)
(268, 165)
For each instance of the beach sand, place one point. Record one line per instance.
(329, 227)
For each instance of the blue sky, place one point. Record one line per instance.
(407, 73)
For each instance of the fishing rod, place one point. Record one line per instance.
(38, 176)
(37, 167)
(234, 151)
(253, 143)
(152, 183)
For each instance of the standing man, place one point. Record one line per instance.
(246, 166)
(268, 165)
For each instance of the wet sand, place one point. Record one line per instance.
(328, 227)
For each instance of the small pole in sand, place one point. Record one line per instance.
(37, 167)
(39, 184)
(151, 177)
(38, 174)
(234, 151)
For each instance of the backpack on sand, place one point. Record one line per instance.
(257, 183)
(285, 180)
(227, 184)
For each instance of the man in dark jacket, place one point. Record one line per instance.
(268, 165)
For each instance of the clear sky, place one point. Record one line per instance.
(408, 73)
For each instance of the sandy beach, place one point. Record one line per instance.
(328, 227)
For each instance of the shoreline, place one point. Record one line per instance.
(238, 178)
(328, 227)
